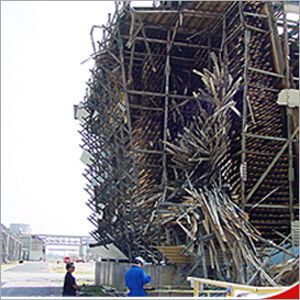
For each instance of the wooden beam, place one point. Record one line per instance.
(288, 111)
(262, 272)
(285, 238)
(166, 109)
(185, 59)
(247, 36)
(180, 44)
(275, 245)
(250, 281)
(154, 94)
(203, 260)
(148, 151)
(265, 72)
(276, 44)
(271, 138)
(255, 15)
(263, 199)
(146, 107)
(207, 14)
(264, 88)
(274, 206)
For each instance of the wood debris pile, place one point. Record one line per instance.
(201, 160)
(287, 273)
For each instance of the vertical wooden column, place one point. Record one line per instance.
(244, 113)
(166, 114)
(289, 114)
(129, 124)
(166, 109)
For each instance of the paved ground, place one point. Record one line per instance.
(36, 279)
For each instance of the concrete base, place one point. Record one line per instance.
(113, 274)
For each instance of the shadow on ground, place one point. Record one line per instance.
(31, 291)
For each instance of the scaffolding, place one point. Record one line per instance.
(187, 152)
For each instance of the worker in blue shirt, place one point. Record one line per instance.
(135, 278)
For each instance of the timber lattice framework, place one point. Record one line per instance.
(189, 157)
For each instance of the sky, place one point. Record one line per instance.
(42, 46)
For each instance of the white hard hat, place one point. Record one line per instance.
(139, 259)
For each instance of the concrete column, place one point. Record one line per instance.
(14, 248)
(29, 248)
(97, 273)
(5, 246)
(111, 272)
(19, 251)
(44, 252)
(82, 251)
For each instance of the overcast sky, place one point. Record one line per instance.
(42, 46)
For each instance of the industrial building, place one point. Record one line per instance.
(20, 228)
(19, 244)
(33, 247)
(11, 246)
(190, 134)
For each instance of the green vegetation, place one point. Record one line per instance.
(93, 291)
(82, 282)
(58, 269)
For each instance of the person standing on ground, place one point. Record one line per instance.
(135, 278)
(70, 286)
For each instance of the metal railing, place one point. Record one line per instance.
(231, 288)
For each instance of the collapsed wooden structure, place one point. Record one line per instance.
(189, 156)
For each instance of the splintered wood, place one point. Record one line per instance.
(184, 143)
(286, 273)
(204, 148)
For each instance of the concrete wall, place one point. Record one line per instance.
(113, 273)
(36, 250)
(36, 255)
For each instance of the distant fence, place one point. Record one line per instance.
(113, 273)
